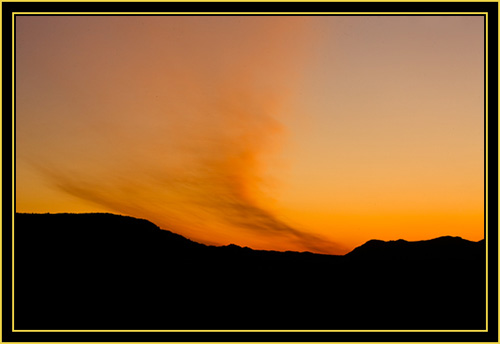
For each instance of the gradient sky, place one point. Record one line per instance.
(285, 133)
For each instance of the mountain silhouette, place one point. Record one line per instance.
(443, 248)
(104, 271)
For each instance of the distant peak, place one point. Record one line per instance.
(437, 248)
(374, 241)
(450, 237)
(232, 246)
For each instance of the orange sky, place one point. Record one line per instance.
(286, 133)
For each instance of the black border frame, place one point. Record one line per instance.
(7, 168)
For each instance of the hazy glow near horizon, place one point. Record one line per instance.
(286, 133)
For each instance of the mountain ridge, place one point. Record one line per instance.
(99, 272)
(369, 243)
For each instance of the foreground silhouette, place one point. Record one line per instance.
(103, 271)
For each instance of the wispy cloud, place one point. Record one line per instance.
(191, 150)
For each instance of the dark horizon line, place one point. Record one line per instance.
(249, 248)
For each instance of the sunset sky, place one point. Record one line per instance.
(312, 133)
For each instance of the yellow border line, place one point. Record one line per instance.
(486, 157)
(251, 330)
(1, 185)
(201, 1)
(13, 158)
(249, 13)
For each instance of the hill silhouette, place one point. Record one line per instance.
(443, 248)
(104, 271)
